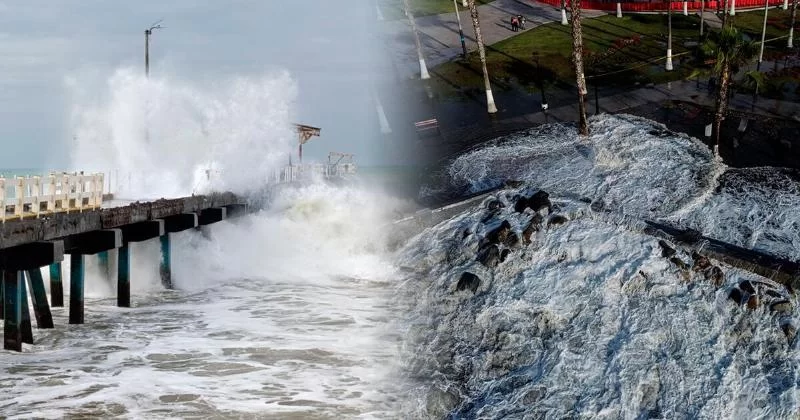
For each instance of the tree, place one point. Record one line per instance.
(577, 60)
(732, 53)
(423, 69)
(476, 24)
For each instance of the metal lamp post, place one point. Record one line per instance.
(147, 33)
(460, 30)
(669, 36)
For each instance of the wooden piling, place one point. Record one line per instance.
(76, 272)
(12, 306)
(56, 286)
(124, 277)
(44, 319)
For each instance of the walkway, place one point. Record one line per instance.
(439, 33)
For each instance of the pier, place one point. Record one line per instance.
(45, 219)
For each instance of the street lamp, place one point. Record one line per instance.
(669, 36)
(460, 31)
(147, 33)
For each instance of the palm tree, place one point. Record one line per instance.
(577, 59)
(423, 69)
(476, 24)
(724, 12)
(791, 26)
(732, 53)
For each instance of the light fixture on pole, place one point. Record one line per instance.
(147, 33)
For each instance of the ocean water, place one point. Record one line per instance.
(305, 309)
(287, 312)
(589, 320)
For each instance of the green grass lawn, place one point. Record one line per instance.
(543, 54)
(393, 9)
(751, 23)
(513, 62)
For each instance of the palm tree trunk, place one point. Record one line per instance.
(476, 24)
(423, 69)
(577, 60)
(722, 102)
(791, 26)
(724, 13)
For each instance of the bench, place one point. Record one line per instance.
(427, 126)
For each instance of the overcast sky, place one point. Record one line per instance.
(326, 45)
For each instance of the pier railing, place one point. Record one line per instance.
(33, 196)
(294, 173)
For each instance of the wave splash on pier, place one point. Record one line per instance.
(164, 137)
(283, 313)
(588, 319)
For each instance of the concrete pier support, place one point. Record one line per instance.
(44, 319)
(25, 322)
(124, 277)
(102, 261)
(166, 262)
(76, 272)
(56, 286)
(619, 10)
(12, 308)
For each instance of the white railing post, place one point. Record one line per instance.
(100, 184)
(36, 195)
(79, 191)
(66, 192)
(51, 193)
(2, 200)
(19, 190)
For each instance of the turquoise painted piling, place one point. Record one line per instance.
(2, 295)
(166, 262)
(25, 322)
(56, 287)
(76, 270)
(124, 277)
(12, 307)
(102, 261)
(44, 319)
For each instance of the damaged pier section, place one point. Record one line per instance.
(28, 245)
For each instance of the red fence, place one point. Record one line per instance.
(660, 6)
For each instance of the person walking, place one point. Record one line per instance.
(514, 23)
(521, 22)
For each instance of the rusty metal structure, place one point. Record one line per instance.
(304, 134)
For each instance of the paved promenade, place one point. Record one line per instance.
(439, 33)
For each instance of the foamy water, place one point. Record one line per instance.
(286, 313)
(589, 320)
(634, 166)
(283, 313)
